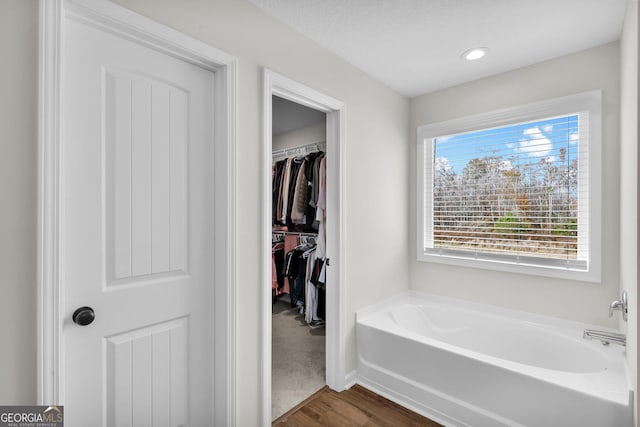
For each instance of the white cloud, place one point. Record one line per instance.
(442, 163)
(532, 131)
(573, 138)
(547, 128)
(535, 144)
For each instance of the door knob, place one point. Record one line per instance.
(83, 316)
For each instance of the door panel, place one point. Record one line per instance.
(136, 234)
(146, 175)
(147, 372)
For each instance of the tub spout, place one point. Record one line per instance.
(604, 337)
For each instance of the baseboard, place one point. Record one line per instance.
(350, 379)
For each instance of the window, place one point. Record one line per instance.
(515, 190)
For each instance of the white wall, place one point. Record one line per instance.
(309, 135)
(629, 181)
(596, 68)
(375, 138)
(18, 160)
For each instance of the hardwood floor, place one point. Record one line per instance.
(354, 407)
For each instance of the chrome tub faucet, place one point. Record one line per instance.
(622, 305)
(604, 337)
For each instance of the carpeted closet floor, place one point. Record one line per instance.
(298, 359)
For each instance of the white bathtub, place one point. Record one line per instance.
(467, 364)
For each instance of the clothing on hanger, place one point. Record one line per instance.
(298, 205)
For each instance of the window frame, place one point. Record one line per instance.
(591, 214)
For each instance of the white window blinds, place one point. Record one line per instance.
(514, 190)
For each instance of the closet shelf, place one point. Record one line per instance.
(304, 149)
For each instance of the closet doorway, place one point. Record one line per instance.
(298, 243)
(302, 338)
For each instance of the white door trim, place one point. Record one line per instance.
(125, 23)
(277, 84)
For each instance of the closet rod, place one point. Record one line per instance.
(309, 148)
(294, 233)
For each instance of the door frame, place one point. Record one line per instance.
(107, 16)
(284, 87)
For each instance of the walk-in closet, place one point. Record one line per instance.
(298, 239)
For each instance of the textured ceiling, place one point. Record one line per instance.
(414, 46)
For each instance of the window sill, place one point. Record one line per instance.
(467, 260)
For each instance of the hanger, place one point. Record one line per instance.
(308, 252)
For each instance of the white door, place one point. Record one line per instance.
(136, 234)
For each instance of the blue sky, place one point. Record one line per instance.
(530, 142)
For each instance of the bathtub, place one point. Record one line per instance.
(468, 364)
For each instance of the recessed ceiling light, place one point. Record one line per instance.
(475, 53)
